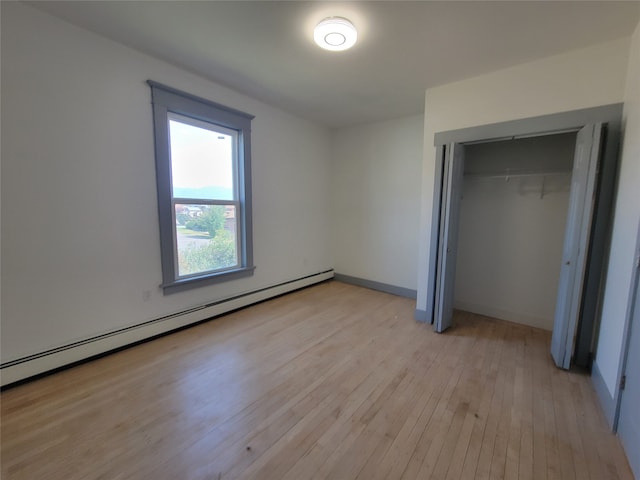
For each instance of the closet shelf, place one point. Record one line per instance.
(544, 188)
(507, 176)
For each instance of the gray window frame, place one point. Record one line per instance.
(166, 100)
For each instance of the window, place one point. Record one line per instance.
(203, 172)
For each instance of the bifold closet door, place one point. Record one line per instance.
(448, 240)
(576, 243)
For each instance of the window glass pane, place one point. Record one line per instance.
(201, 159)
(205, 238)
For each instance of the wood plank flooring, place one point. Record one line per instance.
(330, 382)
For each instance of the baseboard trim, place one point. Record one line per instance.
(524, 319)
(373, 285)
(420, 315)
(607, 402)
(26, 367)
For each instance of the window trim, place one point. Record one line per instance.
(167, 100)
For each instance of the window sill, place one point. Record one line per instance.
(204, 280)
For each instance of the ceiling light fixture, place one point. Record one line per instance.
(335, 34)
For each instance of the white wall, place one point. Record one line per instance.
(580, 79)
(512, 229)
(376, 200)
(627, 214)
(80, 242)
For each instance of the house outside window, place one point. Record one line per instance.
(203, 173)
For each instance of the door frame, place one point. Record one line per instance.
(609, 115)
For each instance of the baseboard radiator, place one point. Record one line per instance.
(50, 360)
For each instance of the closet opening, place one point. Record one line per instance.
(520, 224)
(513, 214)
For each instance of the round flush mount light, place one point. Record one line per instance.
(335, 34)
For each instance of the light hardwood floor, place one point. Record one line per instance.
(331, 382)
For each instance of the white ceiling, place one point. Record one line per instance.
(265, 49)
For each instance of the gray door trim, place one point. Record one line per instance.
(542, 125)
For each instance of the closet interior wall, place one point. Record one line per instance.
(512, 227)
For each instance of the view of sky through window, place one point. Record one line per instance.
(201, 162)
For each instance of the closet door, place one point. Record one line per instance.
(448, 241)
(436, 213)
(576, 242)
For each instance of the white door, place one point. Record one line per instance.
(629, 415)
(448, 242)
(576, 242)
